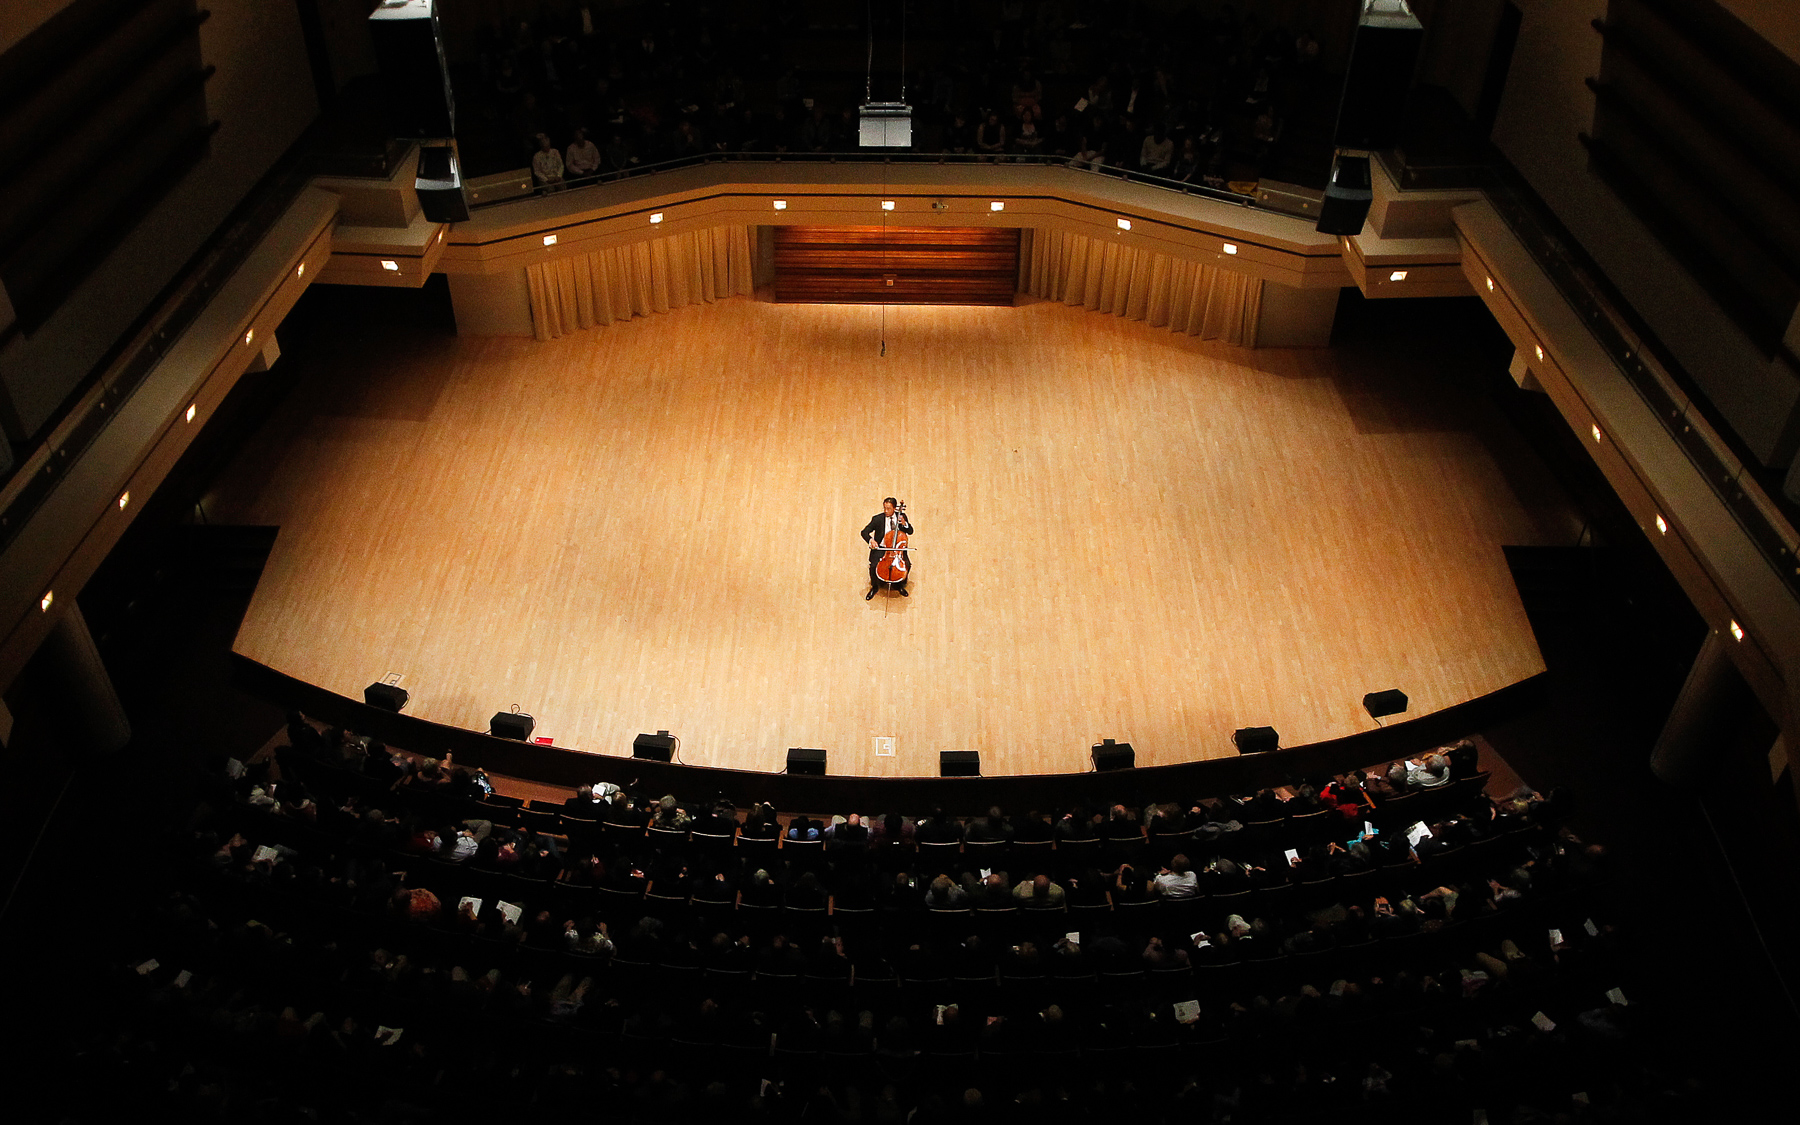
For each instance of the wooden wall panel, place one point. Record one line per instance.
(896, 265)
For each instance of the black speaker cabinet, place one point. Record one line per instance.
(658, 747)
(385, 696)
(1256, 740)
(439, 185)
(1383, 56)
(1379, 703)
(1348, 195)
(410, 52)
(1110, 755)
(959, 763)
(512, 724)
(802, 760)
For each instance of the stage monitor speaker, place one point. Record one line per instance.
(959, 763)
(1110, 755)
(802, 760)
(1383, 56)
(440, 186)
(1256, 740)
(409, 48)
(1379, 703)
(388, 697)
(516, 725)
(658, 747)
(1348, 195)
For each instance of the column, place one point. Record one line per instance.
(1705, 713)
(87, 711)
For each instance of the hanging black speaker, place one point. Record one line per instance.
(1348, 195)
(440, 185)
(1383, 55)
(410, 52)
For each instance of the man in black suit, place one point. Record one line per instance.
(889, 519)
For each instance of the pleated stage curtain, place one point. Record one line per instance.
(573, 293)
(1161, 290)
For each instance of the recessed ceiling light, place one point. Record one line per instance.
(1124, 224)
(1662, 525)
(1737, 631)
(1397, 275)
(656, 218)
(1231, 248)
(191, 411)
(997, 205)
(549, 240)
(386, 264)
(781, 205)
(887, 205)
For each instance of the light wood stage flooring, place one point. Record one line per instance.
(1122, 533)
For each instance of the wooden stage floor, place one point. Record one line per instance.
(1122, 533)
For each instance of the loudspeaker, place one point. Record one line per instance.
(1379, 703)
(658, 747)
(1110, 755)
(512, 724)
(385, 696)
(1256, 740)
(959, 763)
(1348, 195)
(410, 51)
(1383, 56)
(439, 185)
(806, 761)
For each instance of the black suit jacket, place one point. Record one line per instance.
(878, 527)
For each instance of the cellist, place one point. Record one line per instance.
(890, 519)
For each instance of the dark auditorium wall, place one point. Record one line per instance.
(1546, 106)
(262, 96)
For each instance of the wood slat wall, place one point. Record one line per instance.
(896, 265)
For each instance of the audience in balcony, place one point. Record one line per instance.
(666, 85)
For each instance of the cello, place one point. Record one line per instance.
(892, 567)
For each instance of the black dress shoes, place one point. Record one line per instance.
(870, 594)
(905, 593)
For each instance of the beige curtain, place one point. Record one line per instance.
(658, 274)
(1161, 290)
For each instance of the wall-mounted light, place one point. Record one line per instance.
(1231, 247)
(387, 264)
(124, 499)
(997, 205)
(656, 218)
(1540, 353)
(1737, 631)
(191, 411)
(1662, 525)
(887, 205)
(1124, 224)
(1490, 285)
(44, 602)
(549, 240)
(1397, 275)
(781, 205)
(300, 270)
(1595, 430)
(249, 335)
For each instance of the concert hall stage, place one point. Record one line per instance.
(1121, 532)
